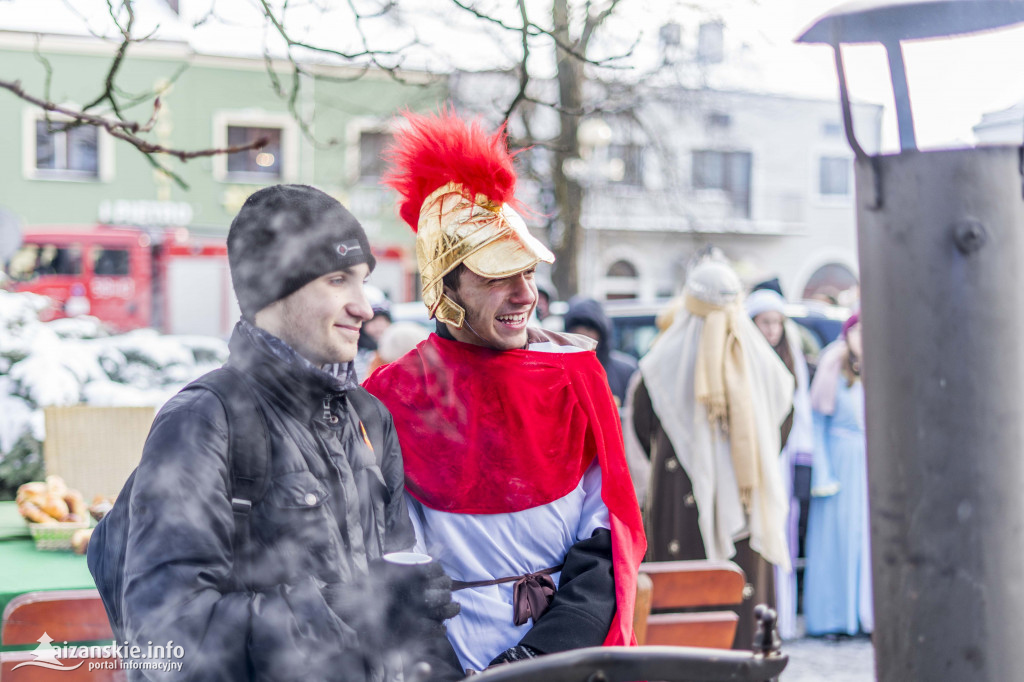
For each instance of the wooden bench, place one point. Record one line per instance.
(689, 603)
(71, 616)
(67, 615)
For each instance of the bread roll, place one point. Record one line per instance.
(33, 513)
(31, 492)
(80, 540)
(56, 507)
(56, 486)
(76, 505)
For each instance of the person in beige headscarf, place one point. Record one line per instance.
(707, 412)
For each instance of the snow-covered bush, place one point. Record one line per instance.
(70, 361)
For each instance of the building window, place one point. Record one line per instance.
(371, 153)
(626, 164)
(834, 176)
(718, 119)
(725, 171)
(831, 129)
(829, 282)
(64, 149)
(55, 148)
(275, 161)
(711, 43)
(621, 280)
(262, 163)
(622, 268)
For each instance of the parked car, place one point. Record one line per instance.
(634, 328)
(411, 311)
(633, 324)
(819, 324)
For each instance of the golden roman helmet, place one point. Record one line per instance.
(490, 239)
(457, 183)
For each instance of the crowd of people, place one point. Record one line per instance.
(392, 502)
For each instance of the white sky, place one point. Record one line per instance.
(952, 81)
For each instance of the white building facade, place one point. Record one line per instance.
(767, 179)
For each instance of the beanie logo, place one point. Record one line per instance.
(350, 246)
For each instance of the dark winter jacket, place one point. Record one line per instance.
(617, 365)
(268, 611)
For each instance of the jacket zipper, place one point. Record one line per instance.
(329, 417)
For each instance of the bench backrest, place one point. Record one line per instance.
(65, 615)
(690, 603)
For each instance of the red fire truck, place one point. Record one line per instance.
(126, 276)
(166, 278)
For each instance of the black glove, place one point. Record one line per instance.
(520, 652)
(394, 604)
(419, 597)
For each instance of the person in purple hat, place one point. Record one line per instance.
(837, 579)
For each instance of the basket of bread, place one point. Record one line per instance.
(53, 511)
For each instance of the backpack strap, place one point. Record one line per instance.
(369, 416)
(248, 443)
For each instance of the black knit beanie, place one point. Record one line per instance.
(286, 236)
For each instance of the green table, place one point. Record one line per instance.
(23, 568)
(11, 523)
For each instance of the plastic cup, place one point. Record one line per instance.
(407, 558)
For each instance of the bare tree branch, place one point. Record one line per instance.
(126, 130)
(593, 23)
(364, 61)
(524, 73)
(126, 34)
(384, 10)
(278, 25)
(130, 100)
(149, 148)
(391, 70)
(47, 67)
(538, 30)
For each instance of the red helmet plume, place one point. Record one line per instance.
(441, 148)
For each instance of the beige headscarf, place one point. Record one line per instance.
(722, 385)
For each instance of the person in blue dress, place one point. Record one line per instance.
(837, 587)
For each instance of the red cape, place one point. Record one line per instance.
(488, 432)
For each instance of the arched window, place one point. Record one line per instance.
(621, 280)
(622, 268)
(829, 281)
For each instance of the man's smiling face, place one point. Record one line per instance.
(321, 320)
(497, 310)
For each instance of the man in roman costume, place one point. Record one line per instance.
(515, 472)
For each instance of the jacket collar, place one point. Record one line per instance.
(294, 382)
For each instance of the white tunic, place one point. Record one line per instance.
(475, 547)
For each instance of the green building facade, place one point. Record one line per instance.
(83, 176)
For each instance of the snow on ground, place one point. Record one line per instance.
(70, 361)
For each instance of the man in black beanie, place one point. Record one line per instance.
(270, 490)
